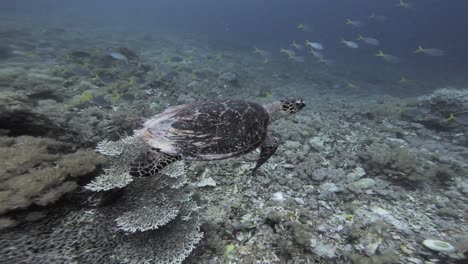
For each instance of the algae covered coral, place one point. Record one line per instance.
(38, 171)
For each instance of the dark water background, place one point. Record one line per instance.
(271, 25)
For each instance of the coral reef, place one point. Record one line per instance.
(40, 170)
(402, 163)
(154, 219)
(445, 101)
(91, 235)
(121, 154)
(149, 214)
(18, 118)
(440, 110)
(327, 199)
(360, 177)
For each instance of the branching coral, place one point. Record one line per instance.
(160, 222)
(157, 214)
(131, 144)
(121, 154)
(147, 218)
(152, 209)
(111, 178)
(91, 235)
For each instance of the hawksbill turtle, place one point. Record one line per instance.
(210, 130)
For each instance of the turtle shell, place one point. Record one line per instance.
(208, 130)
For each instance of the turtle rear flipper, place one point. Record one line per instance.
(151, 163)
(268, 148)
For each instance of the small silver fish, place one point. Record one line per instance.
(354, 23)
(299, 59)
(316, 54)
(297, 46)
(431, 52)
(329, 63)
(288, 51)
(304, 28)
(369, 40)
(118, 56)
(350, 44)
(378, 18)
(263, 53)
(391, 59)
(388, 57)
(314, 45)
(404, 4)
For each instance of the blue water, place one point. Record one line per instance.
(271, 25)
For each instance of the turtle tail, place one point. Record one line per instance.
(151, 163)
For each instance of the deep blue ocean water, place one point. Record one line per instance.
(272, 25)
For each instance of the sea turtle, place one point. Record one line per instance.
(210, 130)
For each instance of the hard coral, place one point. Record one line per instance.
(159, 219)
(157, 214)
(17, 116)
(402, 163)
(121, 154)
(445, 101)
(40, 170)
(91, 235)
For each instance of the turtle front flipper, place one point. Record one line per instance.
(268, 148)
(150, 163)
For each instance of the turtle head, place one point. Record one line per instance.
(284, 108)
(292, 105)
